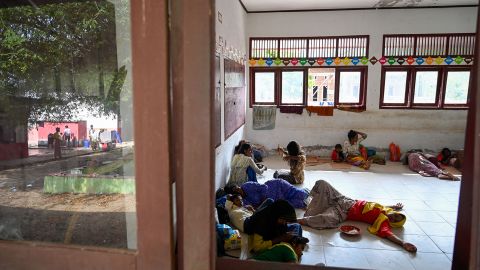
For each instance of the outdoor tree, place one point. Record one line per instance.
(58, 59)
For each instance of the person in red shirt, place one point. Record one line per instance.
(337, 153)
(329, 208)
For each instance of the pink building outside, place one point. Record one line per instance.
(38, 136)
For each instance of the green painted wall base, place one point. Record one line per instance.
(90, 185)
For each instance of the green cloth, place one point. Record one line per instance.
(278, 253)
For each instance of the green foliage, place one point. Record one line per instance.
(59, 58)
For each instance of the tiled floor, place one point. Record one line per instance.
(430, 206)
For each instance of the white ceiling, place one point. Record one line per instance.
(276, 5)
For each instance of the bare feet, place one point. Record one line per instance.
(367, 165)
(448, 176)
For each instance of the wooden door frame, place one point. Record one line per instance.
(149, 26)
(193, 125)
(466, 253)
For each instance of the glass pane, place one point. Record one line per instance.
(457, 87)
(321, 87)
(425, 87)
(349, 88)
(395, 86)
(264, 87)
(292, 87)
(67, 170)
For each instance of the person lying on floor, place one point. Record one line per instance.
(243, 167)
(254, 193)
(428, 165)
(297, 159)
(272, 223)
(329, 208)
(289, 252)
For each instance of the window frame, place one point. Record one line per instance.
(361, 104)
(252, 86)
(445, 78)
(151, 98)
(410, 91)
(280, 86)
(407, 87)
(437, 90)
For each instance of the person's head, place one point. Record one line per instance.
(234, 189)
(446, 153)
(284, 212)
(293, 148)
(57, 129)
(298, 243)
(352, 136)
(66, 126)
(245, 149)
(338, 147)
(236, 199)
(91, 126)
(396, 219)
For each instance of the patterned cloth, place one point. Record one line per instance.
(328, 207)
(417, 162)
(238, 169)
(264, 117)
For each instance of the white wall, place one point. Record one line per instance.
(232, 30)
(430, 129)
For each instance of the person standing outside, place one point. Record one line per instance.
(67, 133)
(57, 139)
(92, 137)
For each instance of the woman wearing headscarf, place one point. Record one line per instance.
(271, 225)
(329, 208)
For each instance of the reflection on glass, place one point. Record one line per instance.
(67, 171)
(292, 87)
(457, 87)
(425, 87)
(321, 87)
(349, 88)
(264, 87)
(395, 86)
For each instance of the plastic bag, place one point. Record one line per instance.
(231, 238)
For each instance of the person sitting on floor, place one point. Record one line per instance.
(289, 252)
(337, 153)
(256, 153)
(243, 167)
(329, 208)
(352, 151)
(255, 193)
(427, 165)
(296, 159)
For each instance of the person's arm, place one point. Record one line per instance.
(364, 136)
(287, 157)
(281, 151)
(254, 166)
(396, 207)
(407, 246)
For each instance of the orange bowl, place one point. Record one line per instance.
(349, 230)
